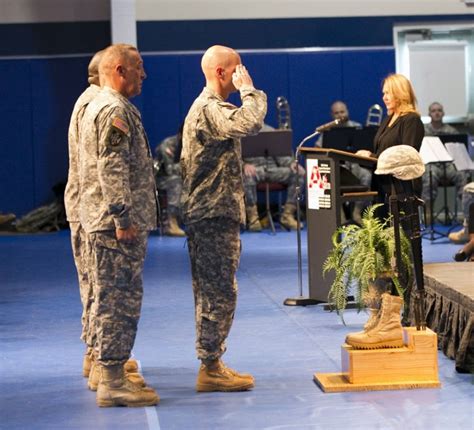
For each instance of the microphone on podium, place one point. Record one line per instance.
(329, 125)
(319, 130)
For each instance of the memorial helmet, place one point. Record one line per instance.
(402, 161)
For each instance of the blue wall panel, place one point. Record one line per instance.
(277, 33)
(363, 72)
(56, 84)
(269, 72)
(160, 97)
(191, 81)
(17, 172)
(315, 81)
(53, 38)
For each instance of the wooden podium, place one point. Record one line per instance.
(325, 194)
(415, 365)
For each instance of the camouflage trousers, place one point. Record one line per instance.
(78, 244)
(453, 177)
(214, 250)
(172, 185)
(116, 272)
(283, 175)
(467, 200)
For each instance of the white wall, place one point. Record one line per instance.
(26, 11)
(35, 11)
(150, 10)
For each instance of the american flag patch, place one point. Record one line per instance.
(120, 124)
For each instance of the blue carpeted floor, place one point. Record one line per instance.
(41, 354)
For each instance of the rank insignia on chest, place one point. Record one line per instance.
(121, 125)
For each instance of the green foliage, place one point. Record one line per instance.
(360, 255)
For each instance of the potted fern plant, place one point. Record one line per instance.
(362, 255)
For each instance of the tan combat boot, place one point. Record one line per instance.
(253, 221)
(287, 218)
(459, 237)
(173, 227)
(215, 376)
(116, 390)
(94, 377)
(387, 333)
(131, 366)
(87, 362)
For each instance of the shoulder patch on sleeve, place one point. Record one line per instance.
(120, 124)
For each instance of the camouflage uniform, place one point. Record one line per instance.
(271, 169)
(117, 191)
(168, 177)
(453, 176)
(71, 202)
(213, 207)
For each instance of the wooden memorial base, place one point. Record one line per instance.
(413, 366)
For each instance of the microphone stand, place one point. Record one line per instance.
(300, 300)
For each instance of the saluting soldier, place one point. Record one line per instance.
(213, 206)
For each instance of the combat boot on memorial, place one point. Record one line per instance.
(216, 376)
(173, 227)
(116, 390)
(287, 218)
(253, 221)
(387, 332)
(94, 377)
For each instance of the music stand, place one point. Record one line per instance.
(433, 151)
(339, 138)
(274, 143)
(459, 138)
(364, 139)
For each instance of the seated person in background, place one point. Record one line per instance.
(339, 110)
(462, 235)
(435, 128)
(168, 178)
(467, 251)
(271, 169)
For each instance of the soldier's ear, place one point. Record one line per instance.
(220, 72)
(120, 69)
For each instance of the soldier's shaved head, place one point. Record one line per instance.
(218, 56)
(218, 65)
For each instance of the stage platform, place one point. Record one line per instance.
(450, 310)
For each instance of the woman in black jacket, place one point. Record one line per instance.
(402, 126)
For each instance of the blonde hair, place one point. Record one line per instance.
(401, 89)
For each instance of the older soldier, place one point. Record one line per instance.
(78, 236)
(213, 206)
(117, 210)
(71, 202)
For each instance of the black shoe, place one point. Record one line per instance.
(461, 256)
